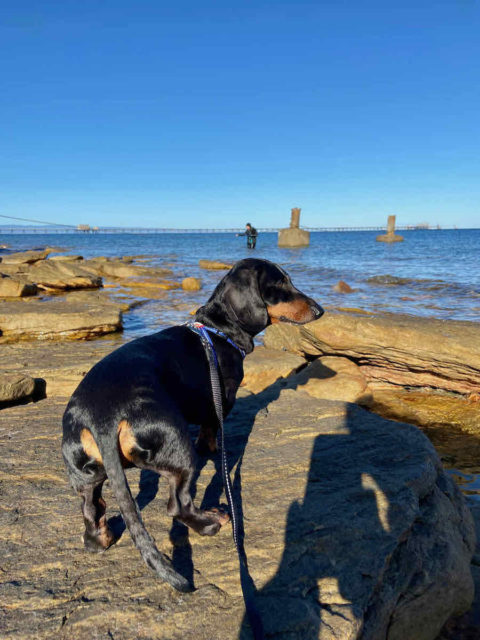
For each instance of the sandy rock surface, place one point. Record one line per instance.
(350, 524)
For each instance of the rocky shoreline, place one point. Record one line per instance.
(306, 409)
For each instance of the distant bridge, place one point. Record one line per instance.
(23, 229)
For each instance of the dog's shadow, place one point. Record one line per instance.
(238, 427)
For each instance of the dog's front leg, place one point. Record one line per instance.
(206, 443)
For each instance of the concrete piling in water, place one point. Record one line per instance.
(390, 236)
(294, 236)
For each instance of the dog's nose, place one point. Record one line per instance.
(317, 310)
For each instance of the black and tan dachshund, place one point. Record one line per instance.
(133, 408)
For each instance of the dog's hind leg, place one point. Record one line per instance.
(97, 536)
(87, 475)
(180, 505)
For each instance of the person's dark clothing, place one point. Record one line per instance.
(252, 235)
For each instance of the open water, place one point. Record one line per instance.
(432, 273)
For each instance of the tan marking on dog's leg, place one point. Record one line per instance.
(90, 446)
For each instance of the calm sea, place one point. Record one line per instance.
(432, 273)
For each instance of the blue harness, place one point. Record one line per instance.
(203, 330)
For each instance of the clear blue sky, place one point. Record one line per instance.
(191, 114)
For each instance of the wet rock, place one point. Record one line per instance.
(50, 275)
(214, 264)
(11, 287)
(342, 287)
(57, 320)
(263, 367)
(332, 378)
(15, 387)
(191, 284)
(392, 349)
(428, 409)
(24, 257)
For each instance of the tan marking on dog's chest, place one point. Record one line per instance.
(126, 444)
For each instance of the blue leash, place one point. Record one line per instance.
(248, 587)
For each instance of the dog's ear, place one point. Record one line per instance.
(243, 300)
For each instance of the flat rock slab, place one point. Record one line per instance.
(55, 319)
(352, 530)
(62, 275)
(391, 348)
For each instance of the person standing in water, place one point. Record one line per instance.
(251, 234)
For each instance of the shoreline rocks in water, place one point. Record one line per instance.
(213, 264)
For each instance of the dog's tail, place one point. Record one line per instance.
(131, 515)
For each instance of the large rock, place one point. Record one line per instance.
(11, 287)
(391, 348)
(24, 257)
(332, 378)
(15, 386)
(50, 275)
(57, 320)
(377, 540)
(263, 367)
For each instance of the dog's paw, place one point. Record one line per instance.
(98, 543)
(216, 520)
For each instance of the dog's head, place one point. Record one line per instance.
(256, 293)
